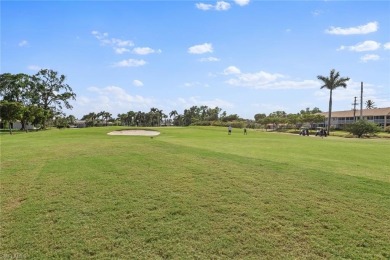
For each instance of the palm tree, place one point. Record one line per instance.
(173, 113)
(106, 116)
(370, 104)
(130, 117)
(332, 82)
(153, 114)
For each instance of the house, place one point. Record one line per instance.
(340, 119)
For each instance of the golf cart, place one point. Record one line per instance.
(321, 132)
(304, 131)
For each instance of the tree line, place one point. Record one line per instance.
(205, 116)
(195, 115)
(39, 99)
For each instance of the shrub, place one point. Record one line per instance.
(363, 127)
(387, 129)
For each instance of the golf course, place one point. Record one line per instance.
(193, 193)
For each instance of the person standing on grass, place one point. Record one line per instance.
(229, 130)
(245, 133)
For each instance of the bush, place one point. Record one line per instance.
(387, 129)
(363, 127)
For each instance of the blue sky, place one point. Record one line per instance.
(243, 56)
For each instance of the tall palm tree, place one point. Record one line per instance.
(332, 82)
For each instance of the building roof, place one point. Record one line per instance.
(366, 112)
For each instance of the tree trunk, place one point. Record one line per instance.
(330, 110)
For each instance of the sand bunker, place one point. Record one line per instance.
(135, 132)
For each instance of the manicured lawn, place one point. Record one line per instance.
(193, 193)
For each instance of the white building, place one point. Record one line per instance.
(340, 119)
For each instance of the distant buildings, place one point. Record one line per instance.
(340, 119)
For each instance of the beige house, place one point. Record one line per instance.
(379, 116)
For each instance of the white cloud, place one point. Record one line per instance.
(121, 43)
(130, 63)
(231, 70)
(102, 37)
(138, 83)
(118, 95)
(195, 84)
(362, 46)
(23, 43)
(362, 29)
(242, 2)
(222, 6)
(386, 46)
(369, 57)
(209, 59)
(256, 80)
(200, 49)
(265, 80)
(219, 6)
(121, 50)
(145, 50)
(118, 45)
(204, 7)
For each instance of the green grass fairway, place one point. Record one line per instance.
(193, 193)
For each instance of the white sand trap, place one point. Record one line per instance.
(135, 132)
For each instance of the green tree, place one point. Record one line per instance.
(173, 114)
(32, 114)
(10, 112)
(363, 127)
(332, 82)
(293, 119)
(122, 118)
(140, 118)
(90, 119)
(258, 117)
(71, 119)
(106, 116)
(51, 92)
(213, 114)
(15, 87)
(61, 121)
(230, 118)
(315, 110)
(130, 117)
